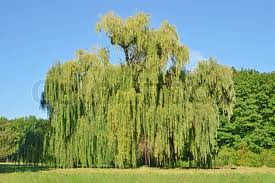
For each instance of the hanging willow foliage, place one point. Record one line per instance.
(148, 111)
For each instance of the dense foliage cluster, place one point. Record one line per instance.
(148, 111)
(248, 138)
(253, 120)
(22, 139)
(243, 156)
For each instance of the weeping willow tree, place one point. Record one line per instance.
(147, 111)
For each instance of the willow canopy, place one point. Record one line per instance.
(148, 111)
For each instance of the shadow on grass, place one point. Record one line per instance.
(10, 168)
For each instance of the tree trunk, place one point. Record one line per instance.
(126, 52)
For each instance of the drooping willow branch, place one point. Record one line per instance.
(149, 111)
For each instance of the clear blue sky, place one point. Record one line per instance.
(35, 34)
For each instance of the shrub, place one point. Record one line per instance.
(244, 157)
(183, 164)
(226, 157)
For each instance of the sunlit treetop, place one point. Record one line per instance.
(141, 43)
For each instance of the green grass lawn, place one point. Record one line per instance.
(14, 174)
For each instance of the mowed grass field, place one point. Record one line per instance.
(14, 174)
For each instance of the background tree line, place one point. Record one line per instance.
(248, 138)
(22, 139)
